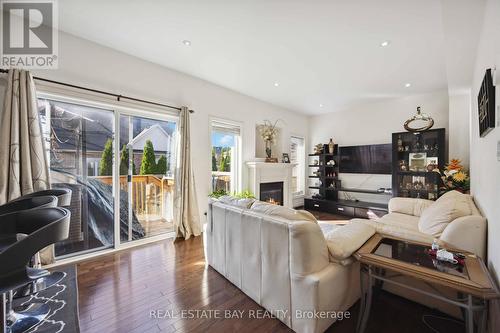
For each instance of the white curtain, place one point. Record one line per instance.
(23, 163)
(187, 218)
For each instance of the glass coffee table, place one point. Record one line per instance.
(384, 258)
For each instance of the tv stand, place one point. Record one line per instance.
(348, 208)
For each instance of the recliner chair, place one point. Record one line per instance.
(40, 228)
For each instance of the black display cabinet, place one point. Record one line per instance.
(415, 158)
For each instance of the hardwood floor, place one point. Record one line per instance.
(117, 293)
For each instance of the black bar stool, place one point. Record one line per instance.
(28, 203)
(63, 195)
(39, 228)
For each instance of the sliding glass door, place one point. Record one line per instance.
(147, 162)
(115, 200)
(79, 144)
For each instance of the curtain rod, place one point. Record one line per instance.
(117, 96)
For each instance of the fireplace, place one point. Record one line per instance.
(272, 193)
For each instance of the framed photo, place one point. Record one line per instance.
(417, 161)
(486, 105)
(431, 162)
(418, 183)
(285, 158)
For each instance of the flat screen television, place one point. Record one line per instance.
(375, 159)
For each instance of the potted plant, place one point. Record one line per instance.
(268, 132)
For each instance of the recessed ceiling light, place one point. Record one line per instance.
(407, 85)
(321, 105)
(385, 43)
(186, 42)
(276, 84)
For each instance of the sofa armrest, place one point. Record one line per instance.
(409, 206)
(308, 248)
(467, 233)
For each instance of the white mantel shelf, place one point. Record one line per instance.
(262, 172)
(258, 164)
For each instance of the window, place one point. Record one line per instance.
(226, 158)
(297, 156)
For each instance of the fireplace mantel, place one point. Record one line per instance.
(262, 172)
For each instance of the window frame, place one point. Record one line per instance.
(301, 174)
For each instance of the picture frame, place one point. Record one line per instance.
(486, 105)
(285, 158)
(431, 162)
(417, 161)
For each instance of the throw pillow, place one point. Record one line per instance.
(447, 208)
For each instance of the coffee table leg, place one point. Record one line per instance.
(484, 318)
(366, 311)
(469, 316)
(362, 301)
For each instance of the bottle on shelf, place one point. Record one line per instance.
(331, 146)
(400, 143)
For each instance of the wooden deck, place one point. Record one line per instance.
(154, 225)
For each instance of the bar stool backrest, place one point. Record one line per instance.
(29, 203)
(42, 227)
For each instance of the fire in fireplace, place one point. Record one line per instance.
(272, 193)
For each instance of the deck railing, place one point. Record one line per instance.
(152, 195)
(221, 181)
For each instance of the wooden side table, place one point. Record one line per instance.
(399, 257)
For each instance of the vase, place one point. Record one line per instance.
(331, 146)
(268, 148)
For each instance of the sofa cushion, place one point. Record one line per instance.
(400, 220)
(283, 212)
(399, 231)
(447, 208)
(343, 241)
(237, 202)
(409, 206)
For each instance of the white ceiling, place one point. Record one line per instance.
(320, 52)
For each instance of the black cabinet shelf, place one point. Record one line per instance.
(418, 173)
(357, 190)
(325, 190)
(423, 184)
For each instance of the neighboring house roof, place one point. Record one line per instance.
(158, 136)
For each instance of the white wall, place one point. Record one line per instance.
(373, 124)
(82, 62)
(459, 125)
(485, 168)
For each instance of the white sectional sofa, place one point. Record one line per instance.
(279, 258)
